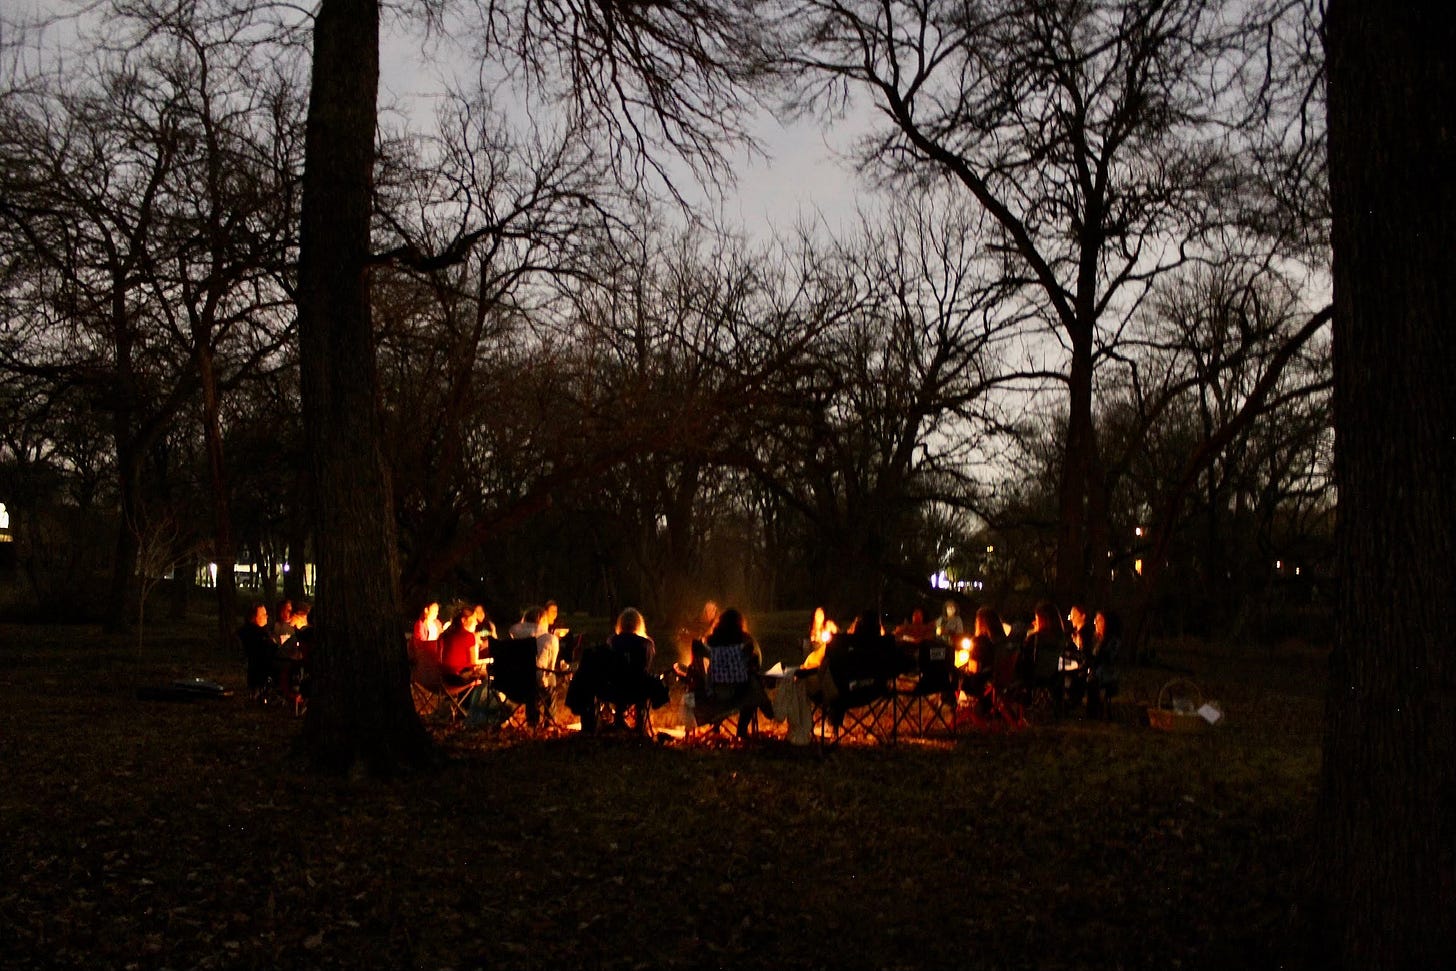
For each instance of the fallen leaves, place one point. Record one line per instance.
(140, 835)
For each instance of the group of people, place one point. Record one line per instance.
(1073, 660)
(277, 653)
(461, 646)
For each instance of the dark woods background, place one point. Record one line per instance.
(1079, 355)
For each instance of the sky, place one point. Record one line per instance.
(801, 177)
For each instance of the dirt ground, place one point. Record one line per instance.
(144, 834)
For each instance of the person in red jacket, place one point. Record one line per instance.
(460, 648)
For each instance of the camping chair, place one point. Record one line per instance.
(928, 701)
(514, 674)
(1041, 680)
(1004, 697)
(859, 690)
(609, 679)
(431, 685)
(732, 694)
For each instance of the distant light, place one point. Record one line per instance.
(4, 517)
(940, 580)
(990, 549)
(285, 567)
(1137, 530)
(1137, 566)
(1278, 564)
(212, 571)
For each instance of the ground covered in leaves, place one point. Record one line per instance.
(144, 834)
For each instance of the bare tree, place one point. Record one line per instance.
(1106, 141)
(667, 64)
(148, 198)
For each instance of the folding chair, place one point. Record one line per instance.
(733, 693)
(1003, 698)
(610, 682)
(514, 674)
(929, 701)
(860, 690)
(431, 685)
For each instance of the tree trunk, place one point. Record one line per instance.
(121, 600)
(1385, 887)
(1078, 467)
(360, 716)
(222, 523)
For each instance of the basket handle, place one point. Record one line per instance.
(1197, 692)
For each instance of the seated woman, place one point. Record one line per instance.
(460, 648)
(426, 635)
(729, 660)
(950, 626)
(859, 666)
(986, 646)
(1041, 655)
(634, 653)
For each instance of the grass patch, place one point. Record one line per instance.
(183, 835)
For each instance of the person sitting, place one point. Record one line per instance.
(916, 629)
(1102, 661)
(460, 648)
(730, 659)
(526, 626)
(859, 665)
(1040, 664)
(534, 624)
(283, 622)
(260, 651)
(632, 653)
(292, 662)
(1080, 638)
(426, 634)
(950, 627)
(484, 626)
(987, 642)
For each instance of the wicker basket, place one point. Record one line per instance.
(1165, 718)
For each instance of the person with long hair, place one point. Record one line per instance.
(636, 651)
(988, 645)
(460, 648)
(1041, 655)
(732, 659)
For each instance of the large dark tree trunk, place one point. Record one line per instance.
(360, 715)
(1385, 892)
(121, 600)
(1078, 509)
